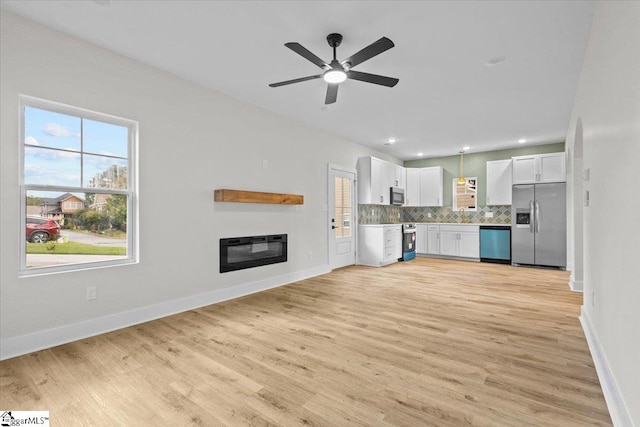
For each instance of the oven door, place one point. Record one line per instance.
(409, 240)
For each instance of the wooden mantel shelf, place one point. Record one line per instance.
(240, 196)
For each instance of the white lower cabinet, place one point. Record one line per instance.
(379, 244)
(421, 238)
(433, 239)
(460, 240)
(454, 240)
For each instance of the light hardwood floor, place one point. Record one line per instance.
(426, 342)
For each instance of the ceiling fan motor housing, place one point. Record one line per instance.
(334, 39)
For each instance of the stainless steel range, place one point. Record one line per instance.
(408, 241)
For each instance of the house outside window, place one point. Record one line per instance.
(78, 188)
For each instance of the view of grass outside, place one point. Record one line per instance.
(73, 248)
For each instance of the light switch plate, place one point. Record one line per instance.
(586, 173)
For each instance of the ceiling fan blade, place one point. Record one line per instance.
(304, 52)
(372, 78)
(375, 48)
(332, 93)
(301, 79)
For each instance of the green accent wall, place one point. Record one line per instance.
(475, 164)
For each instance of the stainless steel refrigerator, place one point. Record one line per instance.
(539, 225)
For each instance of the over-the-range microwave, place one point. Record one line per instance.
(397, 196)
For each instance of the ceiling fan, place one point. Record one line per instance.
(336, 72)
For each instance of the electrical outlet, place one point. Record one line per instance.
(265, 164)
(428, 214)
(488, 214)
(310, 255)
(91, 293)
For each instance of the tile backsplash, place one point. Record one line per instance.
(378, 214)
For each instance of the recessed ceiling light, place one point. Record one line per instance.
(392, 140)
(522, 141)
(495, 61)
(466, 147)
(420, 154)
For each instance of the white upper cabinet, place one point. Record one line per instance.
(431, 180)
(412, 195)
(539, 168)
(499, 182)
(397, 176)
(375, 179)
(552, 167)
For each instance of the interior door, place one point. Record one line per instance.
(342, 221)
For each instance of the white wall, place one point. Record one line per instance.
(608, 105)
(192, 141)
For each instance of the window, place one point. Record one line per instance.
(78, 188)
(343, 206)
(464, 195)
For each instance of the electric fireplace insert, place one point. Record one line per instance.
(238, 253)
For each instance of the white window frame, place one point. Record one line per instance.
(131, 192)
(455, 195)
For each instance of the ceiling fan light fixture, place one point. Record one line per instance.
(334, 76)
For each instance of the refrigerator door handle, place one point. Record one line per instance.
(531, 217)
(537, 216)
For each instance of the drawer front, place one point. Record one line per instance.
(460, 228)
(433, 227)
(389, 254)
(389, 240)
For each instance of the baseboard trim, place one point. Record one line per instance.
(576, 285)
(617, 410)
(24, 344)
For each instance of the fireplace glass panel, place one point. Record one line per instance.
(247, 252)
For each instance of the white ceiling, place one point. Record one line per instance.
(447, 96)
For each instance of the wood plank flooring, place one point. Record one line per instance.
(425, 343)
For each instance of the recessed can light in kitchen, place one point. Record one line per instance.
(420, 154)
(466, 148)
(390, 141)
(522, 141)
